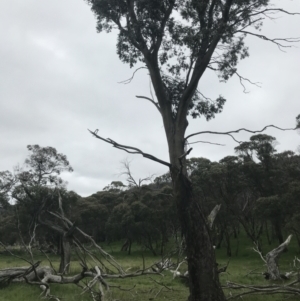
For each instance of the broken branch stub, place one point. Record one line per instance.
(212, 216)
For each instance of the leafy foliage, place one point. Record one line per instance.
(45, 165)
(176, 35)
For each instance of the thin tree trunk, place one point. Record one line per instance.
(129, 247)
(228, 245)
(278, 232)
(65, 257)
(220, 239)
(267, 232)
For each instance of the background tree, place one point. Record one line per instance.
(177, 41)
(35, 190)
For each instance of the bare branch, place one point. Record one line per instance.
(185, 154)
(262, 289)
(241, 78)
(277, 41)
(256, 249)
(129, 149)
(130, 179)
(152, 101)
(269, 11)
(107, 256)
(229, 133)
(206, 142)
(127, 81)
(212, 216)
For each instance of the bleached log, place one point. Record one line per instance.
(13, 272)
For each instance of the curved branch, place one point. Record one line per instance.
(206, 142)
(151, 100)
(127, 81)
(129, 149)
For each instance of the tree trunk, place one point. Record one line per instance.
(202, 268)
(126, 247)
(267, 233)
(65, 257)
(278, 232)
(220, 239)
(228, 245)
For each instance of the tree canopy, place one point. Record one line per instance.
(178, 40)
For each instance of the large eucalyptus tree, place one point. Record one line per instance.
(177, 41)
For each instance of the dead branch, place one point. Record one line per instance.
(272, 259)
(129, 149)
(256, 249)
(107, 256)
(130, 179)
(162, 284)
(243, 79)
(229, 133)
(206, 142)
(276, 41)
(152, 101)
(213, 215)
(262, 289)
(176, 272)
(273, 11)
(251, 272)
(127, 81)
(16, 274)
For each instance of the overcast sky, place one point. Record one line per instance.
(58, 78)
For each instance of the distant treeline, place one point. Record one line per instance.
(258, 189)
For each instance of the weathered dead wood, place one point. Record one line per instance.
(272, 259)
(110, 259)
(212, 215)
(288, 289)
(129, 149)
(11, 274)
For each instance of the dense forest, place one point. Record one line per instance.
(258, 190)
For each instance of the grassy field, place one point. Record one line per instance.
(155, 287)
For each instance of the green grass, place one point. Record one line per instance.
(153, 288)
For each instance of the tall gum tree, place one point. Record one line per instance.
(177, 41)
